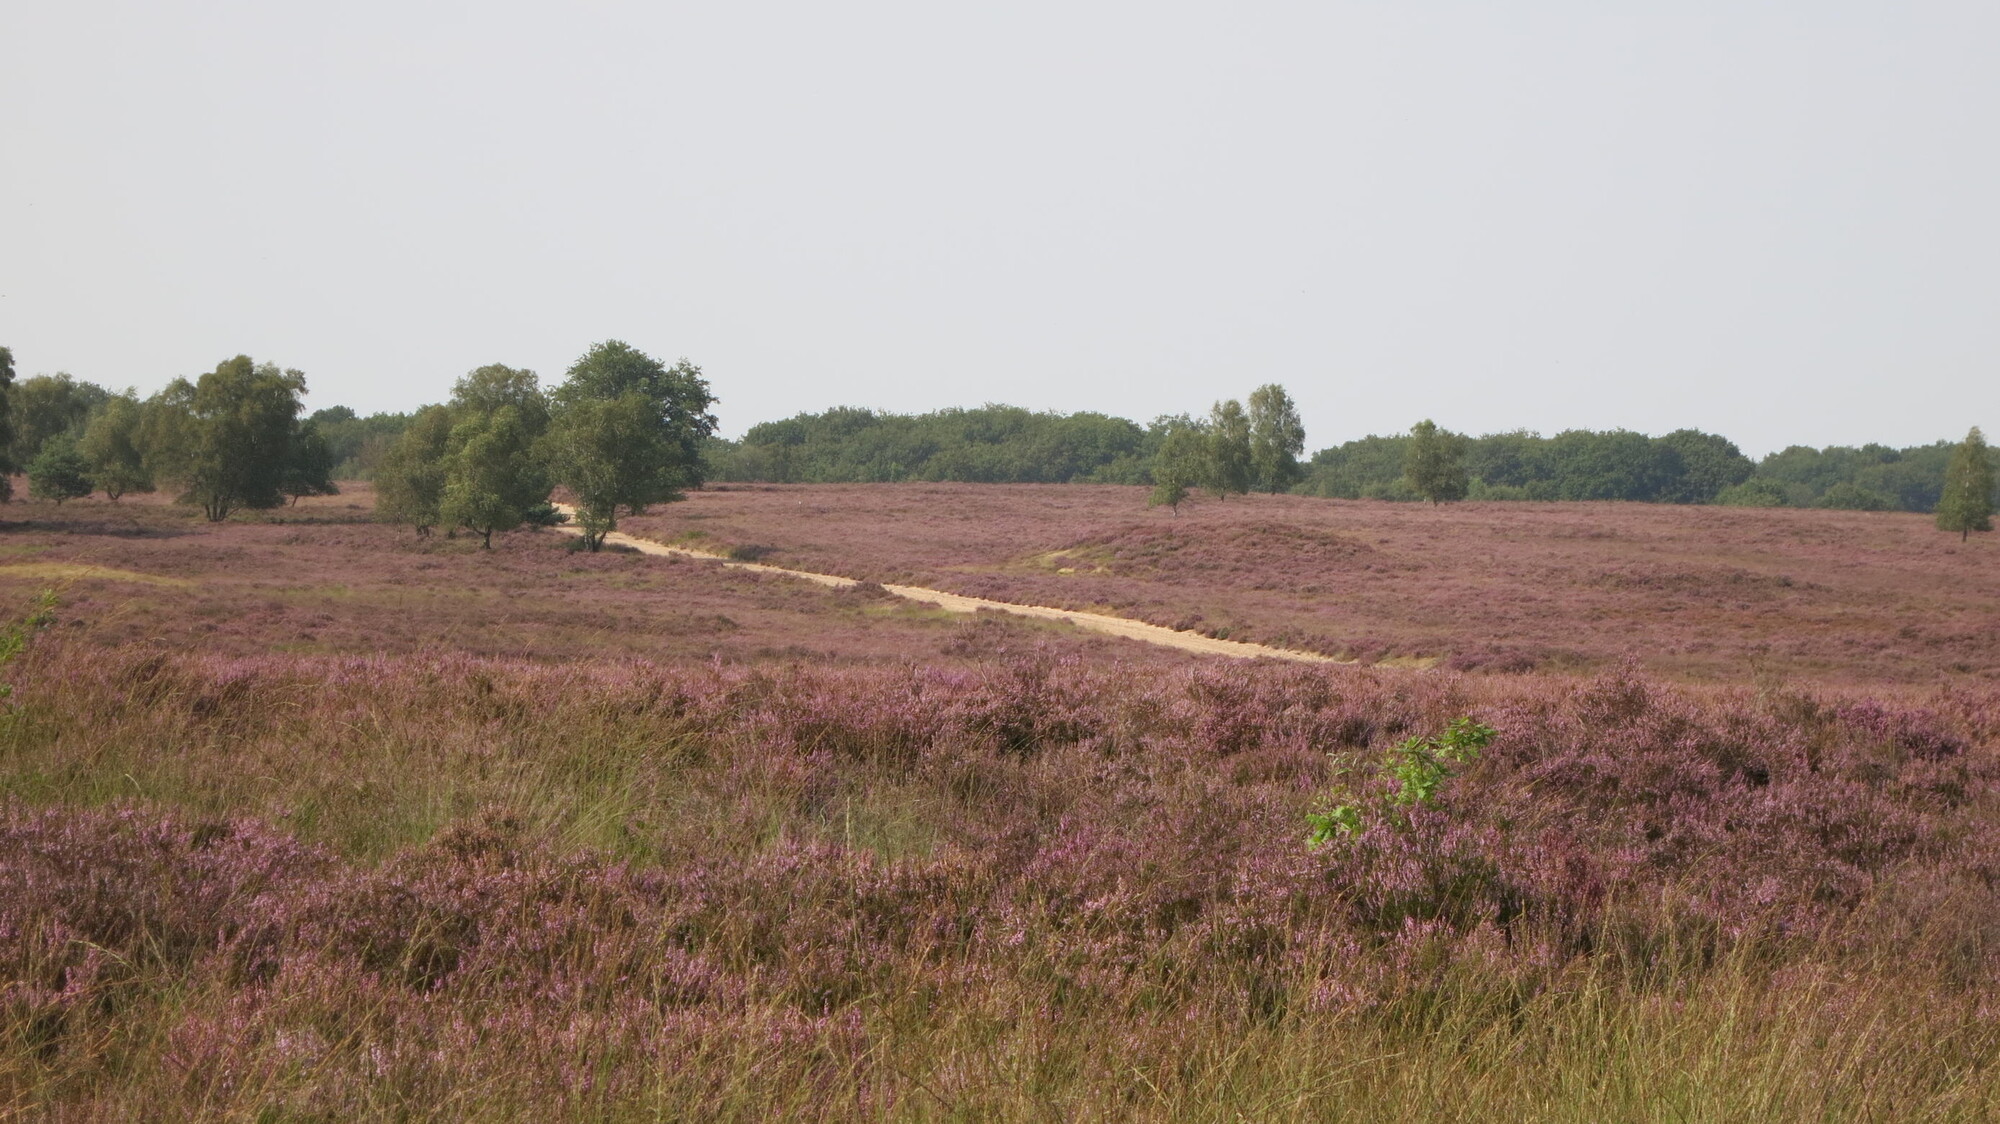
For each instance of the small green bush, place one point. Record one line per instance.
(1418, 766)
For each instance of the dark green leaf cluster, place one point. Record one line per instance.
(991, 444)
(1686, 466)
(59, 472)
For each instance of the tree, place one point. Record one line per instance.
(680, 422)
(110, 446)
(309, 464)
(1709, 463)
(484, 390)
(48, 406)
(1228, 449)
(1277, 437)
(1435, 463)
(1967, 503)
(609, 453)
(59, 472)
(6, 422)
(225, 439)
(491, 477)
(1181, 462)
(409, 483)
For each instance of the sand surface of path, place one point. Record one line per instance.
(959, 603)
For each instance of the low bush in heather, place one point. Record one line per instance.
(469, 889)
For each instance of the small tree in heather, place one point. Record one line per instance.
(309, 464)
(491, 476)
(1228, 449)
(1180, 463)
(224, 438)
(626, 431)
(59, 472)
(409, 483)
(610, 453)
(1435, 463)
(110, 445)
(1967, 503)
(1277, 437)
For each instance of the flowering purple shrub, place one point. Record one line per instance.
(364, 887)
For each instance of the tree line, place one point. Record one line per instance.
(234, 438)
(622, 432)
(230, 438)
(1683, 467)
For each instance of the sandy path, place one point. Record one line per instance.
(959, 603)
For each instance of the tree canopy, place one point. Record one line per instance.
(1434, 463)
(226, 438)
(1967, 502)
(111, 445)
(1277, 437)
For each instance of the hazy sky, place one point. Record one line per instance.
(1775, 220)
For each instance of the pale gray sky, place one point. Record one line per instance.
(1779, 221)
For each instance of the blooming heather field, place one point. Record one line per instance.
(1723, 594)
(307, 821)
(325, 579)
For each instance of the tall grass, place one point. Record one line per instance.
(444, 888)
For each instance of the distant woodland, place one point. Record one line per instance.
(1008, 444)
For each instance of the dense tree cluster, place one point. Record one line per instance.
(1233, 451)
(623, 432)
(1686, 466)
(987, 445)
(229, 439)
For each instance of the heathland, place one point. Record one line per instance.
(305, 817)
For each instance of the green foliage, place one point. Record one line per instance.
(1703, 465)
(1351, 470)
(16, 635)
(46, 407)
(1853, 497)
(59, 472)
(1434, 463)
(110, 446)
(308, 464)
(1685, 466)
(225, 439)
(491, 476)
(357, 445)
(680, 420)
(1581, 464)
(609, 454)
(1181, 462)
(409, 483)
(991, 444)
(485, 390)
(1967, 501)
(543, 514)
(1228, 449)
(6, 420)
(1418, 769)
(1277, 437)
(1754, 492)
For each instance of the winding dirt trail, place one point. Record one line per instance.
(959, 603)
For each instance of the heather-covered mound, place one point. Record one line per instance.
(1716, 594)
(449, 888)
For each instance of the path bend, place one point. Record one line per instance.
(960, 603)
